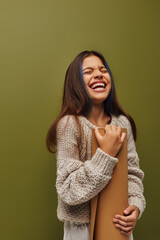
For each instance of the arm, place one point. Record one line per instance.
(135, 175)
(78, 181)
(137, 203)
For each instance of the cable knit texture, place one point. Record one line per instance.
(80, 177)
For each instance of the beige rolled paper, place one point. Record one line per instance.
(113, 199)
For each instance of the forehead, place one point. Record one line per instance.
(92, 61)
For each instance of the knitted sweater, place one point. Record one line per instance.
(80, 177)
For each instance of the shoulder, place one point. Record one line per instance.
(66, 120)
(124, 122)
(67, 125)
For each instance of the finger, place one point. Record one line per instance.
(127, 233)
(119, 130)
(125, 229)
(129, 218)
(114, 127)
(108, 127)
(123, 137)
(125, 224)
(129, 210)
(97, 134)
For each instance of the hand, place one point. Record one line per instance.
(127, 222)
(112, 140)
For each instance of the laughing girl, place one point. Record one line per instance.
(89, 102)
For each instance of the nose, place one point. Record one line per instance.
(98, 75)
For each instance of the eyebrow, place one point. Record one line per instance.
(92, 68)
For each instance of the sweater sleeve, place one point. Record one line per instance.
(79, 181)
(135, 174)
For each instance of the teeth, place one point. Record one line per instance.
(98, 85)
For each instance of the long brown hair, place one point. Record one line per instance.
(76, 100)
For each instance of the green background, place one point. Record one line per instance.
(39, 39)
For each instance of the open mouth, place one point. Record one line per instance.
(98, 85)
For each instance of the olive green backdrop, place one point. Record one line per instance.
(39, 39)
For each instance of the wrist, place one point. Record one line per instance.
(108, 152)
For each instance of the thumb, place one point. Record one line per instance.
(97, 134)
(123, 136)
(128, 210)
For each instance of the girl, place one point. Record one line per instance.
(89, 102)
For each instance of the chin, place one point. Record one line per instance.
(98, 101)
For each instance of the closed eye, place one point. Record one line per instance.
(103, 69)
(88, 72)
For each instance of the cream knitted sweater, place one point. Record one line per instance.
(80, 177)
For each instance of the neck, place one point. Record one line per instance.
(97, 116)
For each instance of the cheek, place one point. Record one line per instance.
(86, 80)
(107, 76)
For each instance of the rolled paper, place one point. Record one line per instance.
(112, 200)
